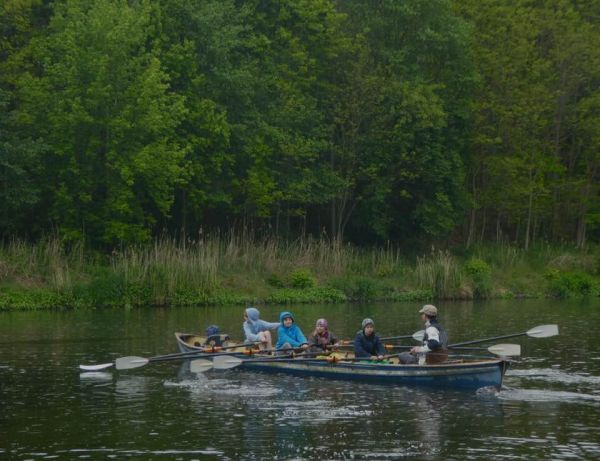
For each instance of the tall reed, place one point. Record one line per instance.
(439, 272)
(45, 263)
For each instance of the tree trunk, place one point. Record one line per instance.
(528, 224)
(483, 224)
(498, 232)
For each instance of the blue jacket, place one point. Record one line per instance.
(366, 346)
(253, 326)
(291, 335)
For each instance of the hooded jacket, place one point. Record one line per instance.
(253, 326)
(291, 335)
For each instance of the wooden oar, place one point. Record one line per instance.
(132, 361)
(222, 362)
(541, 331)
(417, 336)
(504, 350)
(200, 365)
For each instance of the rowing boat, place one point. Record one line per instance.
(463, 373)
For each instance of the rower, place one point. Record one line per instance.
(435, 341)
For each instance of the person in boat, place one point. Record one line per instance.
(367, 343)
(289, 335)
(214, 336)
(435, 341)
(257, 330)
(322, 339)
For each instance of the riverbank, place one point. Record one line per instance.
(216, 271)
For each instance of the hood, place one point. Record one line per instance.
(253, 314)
(285, 314)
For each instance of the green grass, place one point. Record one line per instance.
(237, 269)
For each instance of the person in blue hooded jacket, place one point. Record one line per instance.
(257, 330)
(289, 335)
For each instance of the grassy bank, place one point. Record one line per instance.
(237, 270)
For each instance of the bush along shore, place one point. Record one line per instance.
(234, 270)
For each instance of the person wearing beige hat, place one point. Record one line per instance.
(435, 340)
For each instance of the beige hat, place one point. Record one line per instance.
(429, 309)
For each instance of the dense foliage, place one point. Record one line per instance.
(415, 122)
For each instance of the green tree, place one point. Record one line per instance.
(102, 102)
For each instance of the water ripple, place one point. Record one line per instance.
(555, 376)
(539, 395)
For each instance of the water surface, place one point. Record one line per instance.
(549, 407)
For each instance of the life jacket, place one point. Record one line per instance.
(440, 354)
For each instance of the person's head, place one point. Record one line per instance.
(368, 326)
(251, 314)
(212, 330)
(428, 312)
(286, 319)
(321, 326)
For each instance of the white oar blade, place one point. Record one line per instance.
(505, 350)
(543, 331)
(200, 365)
(419, 335)
(127, 363)
(224, 362)
(100, 366)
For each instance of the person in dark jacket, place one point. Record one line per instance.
(367, 343)
(435, 341)
(322, 339)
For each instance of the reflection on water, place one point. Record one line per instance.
(95, 376)
(549, 407)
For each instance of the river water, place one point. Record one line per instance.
(549, 407)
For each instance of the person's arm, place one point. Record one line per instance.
(379, 347)
(433, 340)
(295, 337)
(250, 336)
(284, 337)
(271, 325)
(300, 336)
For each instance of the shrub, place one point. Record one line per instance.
(302, 278)
(570, 284)
(410, 296)
(275, 281)
(312, 295)
(361, 288)
(481, 275)
(365, 289)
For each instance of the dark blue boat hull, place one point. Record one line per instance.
(458, 376)
(455, 375)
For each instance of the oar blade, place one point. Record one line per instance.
(127, 363)
(200, 365)
(100, 366)
(505, 350)
(419, 335)
(224, 362)
(543, 331)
